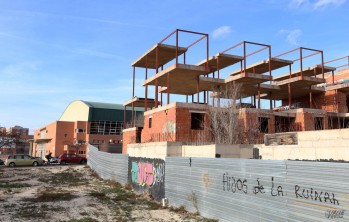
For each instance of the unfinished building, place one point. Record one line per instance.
(293, 91)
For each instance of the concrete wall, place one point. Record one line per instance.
(312, 145)
(225, 151)
(158, 150)
(161, 150)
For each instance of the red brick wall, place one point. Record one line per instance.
(343, 74)
(128, 137)
(174, 124)
(163, 126)
(271, 124)
(329, 101)
(306, 121)
(335, 102)
(64, 134)
(184, 131)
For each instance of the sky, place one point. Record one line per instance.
(55, 52)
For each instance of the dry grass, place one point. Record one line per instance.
(69, 177)
(77, 194)
(51, 196)
(12, 185)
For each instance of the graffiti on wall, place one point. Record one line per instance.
(240, 185)
(234, 184)
(148, 174)
(169, 125)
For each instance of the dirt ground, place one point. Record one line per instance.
(74, 193)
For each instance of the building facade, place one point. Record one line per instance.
(14, 140)
(82, 123)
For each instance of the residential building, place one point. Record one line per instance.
(14, 140)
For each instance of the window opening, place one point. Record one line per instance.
(263, 124)
(197, 121)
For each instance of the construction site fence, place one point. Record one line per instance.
(109, 166)
(258, 190)
(230, 189)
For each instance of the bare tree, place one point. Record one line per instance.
(139, 120)
(227, 124)
(9, 138)
(224, 114)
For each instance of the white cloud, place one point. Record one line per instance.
(20, 69)
(292, 37)
(315, 4)
(324, 3)
(298, 3)
(221, 32)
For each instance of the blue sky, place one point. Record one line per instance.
(55, 52)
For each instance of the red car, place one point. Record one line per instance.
(71, 158)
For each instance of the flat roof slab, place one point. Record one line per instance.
(264, 89)
(179, 73)
(298, 82)
(190, 86)
(344, 87)
(282, 94)
(140, 102)
(263, 66)
(248, 78)
(310, 71)
(166, 53)
(221, 60)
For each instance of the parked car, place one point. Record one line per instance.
(23, 160)
(1, 162)
(71, 158)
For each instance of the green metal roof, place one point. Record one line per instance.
(110, 111)
(99, 105)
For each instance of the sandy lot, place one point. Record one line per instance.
(74, 193)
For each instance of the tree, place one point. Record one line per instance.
(9, 138)
(226, 123)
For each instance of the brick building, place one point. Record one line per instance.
(83, 122)
(294, 91)
(20, 137)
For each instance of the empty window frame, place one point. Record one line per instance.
(284, 124)
(106, 127)
(197, 121)
(80, 131)
(150, 122)
(318, 121)
(263, 124)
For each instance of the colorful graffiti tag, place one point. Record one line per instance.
(148, 174)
